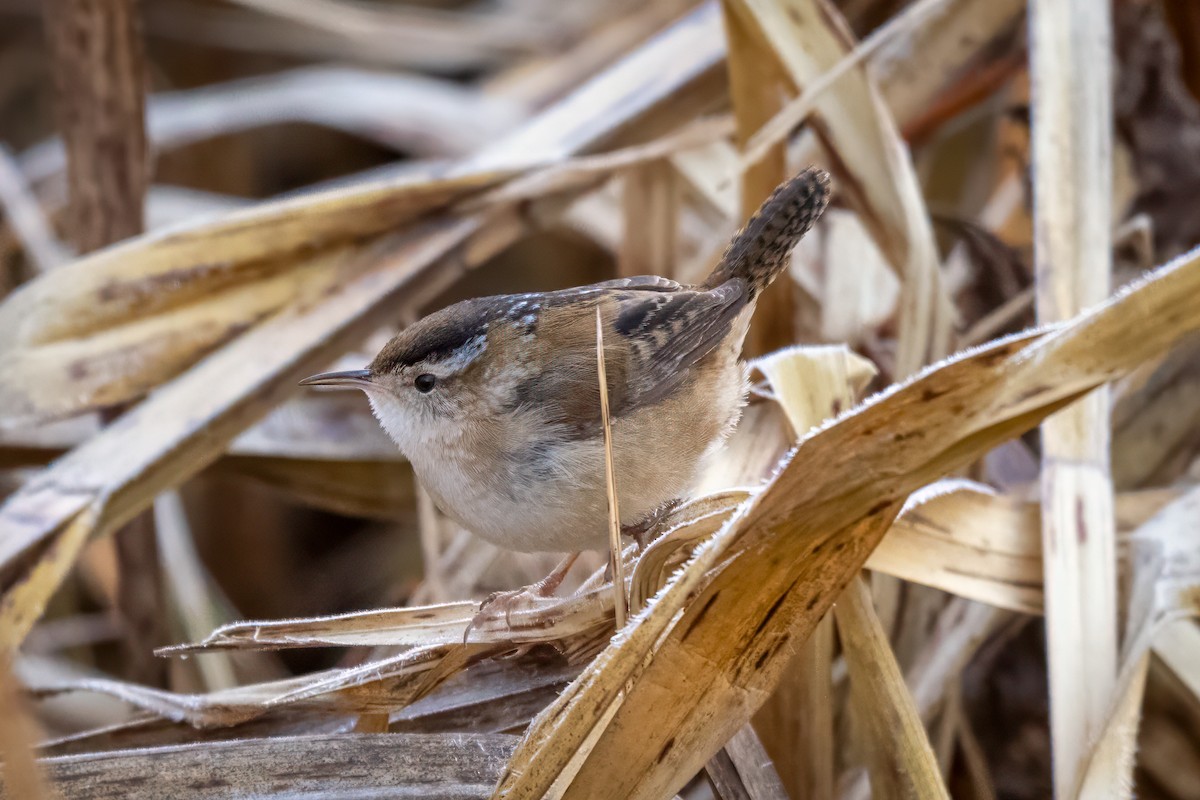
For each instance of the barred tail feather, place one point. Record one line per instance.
(760, 250)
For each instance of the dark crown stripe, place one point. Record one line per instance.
(435, 338)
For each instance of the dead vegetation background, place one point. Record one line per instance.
(204, 201)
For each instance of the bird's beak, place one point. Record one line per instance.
(353, 378)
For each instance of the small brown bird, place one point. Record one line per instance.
(496, 403)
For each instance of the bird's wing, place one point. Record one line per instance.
(666, 333)
(652, 337)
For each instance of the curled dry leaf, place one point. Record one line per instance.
(964, 538)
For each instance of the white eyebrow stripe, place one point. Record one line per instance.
(464, 355)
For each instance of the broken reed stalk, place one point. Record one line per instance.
(100, 80)
(900, 758)
(620, 605)
(1072, 191)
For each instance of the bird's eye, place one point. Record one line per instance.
(425, 383)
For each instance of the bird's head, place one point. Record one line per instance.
(431, 381)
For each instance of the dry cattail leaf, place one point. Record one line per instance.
(412, 627)
(551, 621)
(914, 70)
(573, 173)
(815, 384)
(385, 685)
(685, 682)
(105, 329)
(1106, 767)
(961, 627)
(1154, 419)
(689, 524)
(1109, 770)
(1171, 534)
(743, 770)
(172, 267)
(965, 539)
(899, 27)
(442, 40)
(188, 586)
(492, 696)
(50, 374)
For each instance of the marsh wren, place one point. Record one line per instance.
(496, 403)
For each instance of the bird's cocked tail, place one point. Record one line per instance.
(760, 250)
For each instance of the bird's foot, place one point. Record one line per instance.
(640, 531)
(502, 605)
